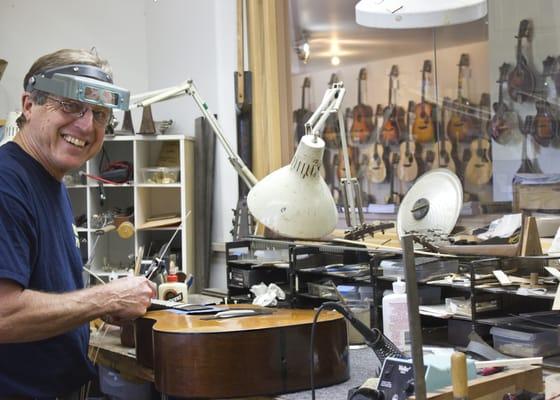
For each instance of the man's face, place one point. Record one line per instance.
(61, 140)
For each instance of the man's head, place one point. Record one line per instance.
(58, 131)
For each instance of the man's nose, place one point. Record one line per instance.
(86, 120)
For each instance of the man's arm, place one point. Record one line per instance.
(29, 315)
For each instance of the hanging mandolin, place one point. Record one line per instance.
(521, 80)
(545, 127)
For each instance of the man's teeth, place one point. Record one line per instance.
(73, 140)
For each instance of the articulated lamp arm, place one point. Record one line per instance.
(189, 88)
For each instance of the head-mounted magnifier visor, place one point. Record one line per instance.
(85, 83)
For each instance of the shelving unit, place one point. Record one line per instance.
(149, 200)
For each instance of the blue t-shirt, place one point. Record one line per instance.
(39, 249)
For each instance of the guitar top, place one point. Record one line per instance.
(479, 167)
(521, 80)
(393, 114)
(377, 162)
(331, 132)
(362, 114)
(424, 128)
(461, 126)
(407, 169)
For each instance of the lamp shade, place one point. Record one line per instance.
(403, 14)
(294, 201)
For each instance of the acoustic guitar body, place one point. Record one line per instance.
(444, 155)
(377, 164)
(243, 356)
(341, 169)
(362, 124)
(460, 128)
(423, 128)
(407, 169)
(479, 167)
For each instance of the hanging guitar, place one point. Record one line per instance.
(505, 121)
(444, 148)
(407, 169)
(527, 166)
(393, 197)
(331, 132)
(461, 126)
(362, 124)
(546, 126)
(393, 114)
(521, 80)
(423, 128)
(377, 165)
(479, 167)
(302, 114)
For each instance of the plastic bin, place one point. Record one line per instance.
(526, 342)
(112, 384)
(160, 175)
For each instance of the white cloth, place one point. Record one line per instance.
(267, 295)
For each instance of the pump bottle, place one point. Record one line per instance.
(395, 316)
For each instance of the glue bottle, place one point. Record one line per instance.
(395, 316)
(173, 289)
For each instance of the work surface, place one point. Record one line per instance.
(108, 351)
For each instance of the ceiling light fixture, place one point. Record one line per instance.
(404, 14)
(335, 60)
(302, 48)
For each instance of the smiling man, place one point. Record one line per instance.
(44, 309)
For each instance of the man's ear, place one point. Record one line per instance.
(26, 104)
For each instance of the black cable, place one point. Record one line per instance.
(311, 353)
(374, 338)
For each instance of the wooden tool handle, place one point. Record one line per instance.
(459, 376)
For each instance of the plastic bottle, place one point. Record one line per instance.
(395, 316)
(173, 290)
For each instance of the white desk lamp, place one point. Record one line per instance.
(293, 201)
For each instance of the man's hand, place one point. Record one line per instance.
(129, 297)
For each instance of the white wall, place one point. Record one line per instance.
(31, 28)
(150, 45)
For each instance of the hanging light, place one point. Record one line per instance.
(404, 14)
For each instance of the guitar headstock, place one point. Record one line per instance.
(363, 74)
(504, 71)
(528, 125)
(427, 67)
(394, 71)
(484, 101)
(306, 82)
(379, 111)
(333, 80)
(411, 106)
(464, 60)
(524, 29)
